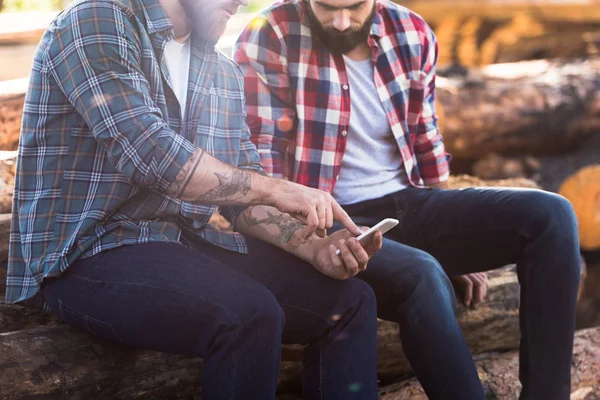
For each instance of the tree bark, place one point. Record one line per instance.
(537, 107)
(499, 373)
(15, 318)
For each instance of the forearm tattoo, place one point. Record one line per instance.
(186, 174)
(287, 227)
(232, 186)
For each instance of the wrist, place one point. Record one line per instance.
(264, 190)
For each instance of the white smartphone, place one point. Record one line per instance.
(382, 226)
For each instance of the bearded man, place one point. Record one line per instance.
(133, 133)
(340, 97)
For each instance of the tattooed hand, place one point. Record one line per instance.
(282, 230)
(315, 208)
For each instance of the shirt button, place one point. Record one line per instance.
(337, 178)
(344, 133)
(345, 87)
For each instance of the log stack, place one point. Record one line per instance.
(51, 359)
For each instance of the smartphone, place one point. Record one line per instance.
(382, 226)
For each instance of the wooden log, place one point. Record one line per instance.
(499, 373)
(465, 181)
(60, 362)
(549, 172)
(575, 175)
(15, 318)
(534, 108)
(521, 26)
(446, 33)
(436, 10)
(583, 191)
(496, 320)
(588, 308)
(564, 45)
(57, 360)
(472, 36)
(494, 325)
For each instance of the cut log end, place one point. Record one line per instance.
(582, 189)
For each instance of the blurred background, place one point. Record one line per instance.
(518, 98)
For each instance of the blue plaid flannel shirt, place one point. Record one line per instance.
(103, 138)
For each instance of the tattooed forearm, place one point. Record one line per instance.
(232, 186)
(186, 174)
(286, 227)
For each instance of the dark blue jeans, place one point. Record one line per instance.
(454, 232)
(231, 309)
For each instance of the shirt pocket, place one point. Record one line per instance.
(93, 325)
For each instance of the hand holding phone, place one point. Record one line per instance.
(383, 226)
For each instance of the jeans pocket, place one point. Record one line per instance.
(93, 325)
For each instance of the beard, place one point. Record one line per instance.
(337, 42)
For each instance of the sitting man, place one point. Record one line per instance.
(340, 97)
(134, 131)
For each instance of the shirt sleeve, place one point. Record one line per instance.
(95, 60)
(248, 160)
(261, 54)
(432, 158)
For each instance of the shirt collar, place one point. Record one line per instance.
(154, 14)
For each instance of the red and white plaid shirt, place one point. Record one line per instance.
(298, 94)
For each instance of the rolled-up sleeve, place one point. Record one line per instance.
(430, 151)
(95, 60)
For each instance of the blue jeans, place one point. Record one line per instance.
(454, 232)
(231, 309)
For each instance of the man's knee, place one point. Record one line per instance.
(423, 280)
(260, 312)
(361, 293)
(549, 212)
(250, 312)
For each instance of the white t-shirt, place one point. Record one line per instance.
(177, 57)
(372, 165)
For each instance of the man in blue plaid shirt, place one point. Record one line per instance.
(133, 133)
